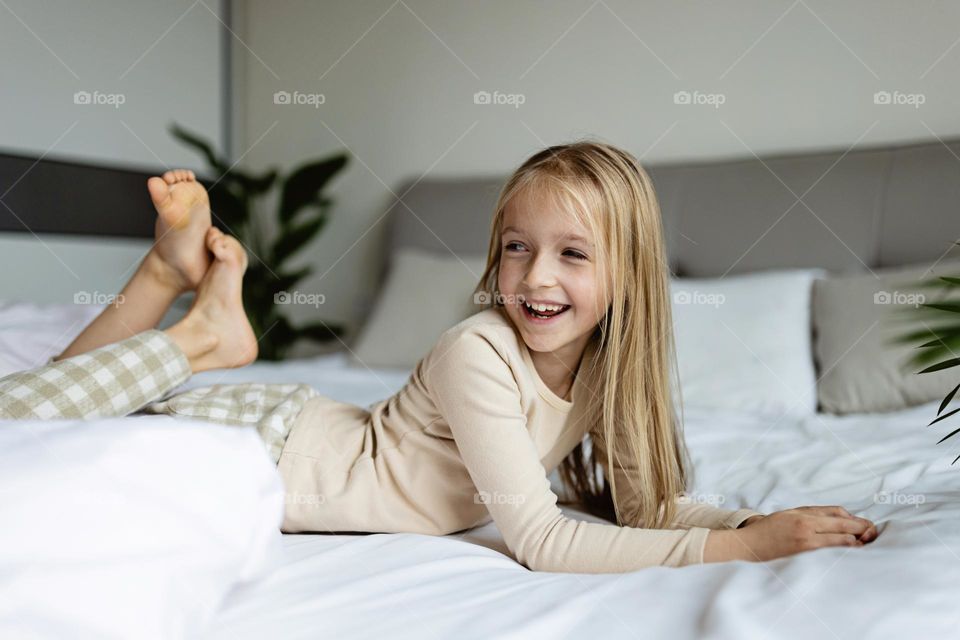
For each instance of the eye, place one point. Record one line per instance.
(575, 254)
(510, 244)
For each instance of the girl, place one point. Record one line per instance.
(576, 340)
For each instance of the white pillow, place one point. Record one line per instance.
(744, 341)
(31, 333)
(425, 294)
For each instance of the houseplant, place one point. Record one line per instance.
(937, 343)
(302, 213)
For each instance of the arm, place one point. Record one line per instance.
(688, 514)
(475, 391)
(704, 515)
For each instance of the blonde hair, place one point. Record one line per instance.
(628, 392)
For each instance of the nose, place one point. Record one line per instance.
(540, 275)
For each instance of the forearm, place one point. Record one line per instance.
(724, 545)
(710, 517)
(728, 544)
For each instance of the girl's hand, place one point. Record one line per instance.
(785, 533)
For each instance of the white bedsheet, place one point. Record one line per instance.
(905, 584)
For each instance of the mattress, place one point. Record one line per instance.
(885, 467)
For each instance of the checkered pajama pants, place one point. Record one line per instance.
(136, 375)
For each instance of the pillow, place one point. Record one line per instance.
(31, 334)
(743, 342)
(425, 294)
(854, 320)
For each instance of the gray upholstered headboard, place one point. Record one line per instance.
(843, 211)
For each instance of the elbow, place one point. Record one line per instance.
(537, 550)
(536, 562)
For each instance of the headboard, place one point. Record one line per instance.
(837, 209)
(44, 195)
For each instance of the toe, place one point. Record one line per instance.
(169, 177)
(159, 191)
(214, 235)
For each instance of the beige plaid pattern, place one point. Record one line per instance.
(114, 380)
(270, 408)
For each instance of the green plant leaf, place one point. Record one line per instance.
(949, 435)
(943, 417)
(257, 185)
(227, 209)
(295, 237)
(951, 307)
(285, 281)
(925, 334)
(947, 399)
(305, 183)
(952, 362)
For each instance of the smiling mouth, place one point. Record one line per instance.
(542, 315)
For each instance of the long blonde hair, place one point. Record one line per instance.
(628, 392)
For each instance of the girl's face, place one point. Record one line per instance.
(549, 258)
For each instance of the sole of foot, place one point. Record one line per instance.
(180, 257)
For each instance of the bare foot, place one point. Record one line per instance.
(216, 334)
(179, 257)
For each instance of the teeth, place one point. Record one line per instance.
(545, 307)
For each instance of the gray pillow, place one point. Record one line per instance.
(854, 319)
(424, 295)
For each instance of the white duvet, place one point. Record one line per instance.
(177, 537)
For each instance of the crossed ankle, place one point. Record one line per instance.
(163, 275)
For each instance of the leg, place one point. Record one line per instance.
(174, 265)
(118, 379)
(270, 408)
(113, 380)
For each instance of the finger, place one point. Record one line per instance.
(870, 534)
(829, 510)
(837, 510)
(840, 524)
(837, 540)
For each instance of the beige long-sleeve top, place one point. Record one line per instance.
(473, 434)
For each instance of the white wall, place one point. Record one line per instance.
(399, 78)
(162, 58)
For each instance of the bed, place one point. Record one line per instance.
(767, 442)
